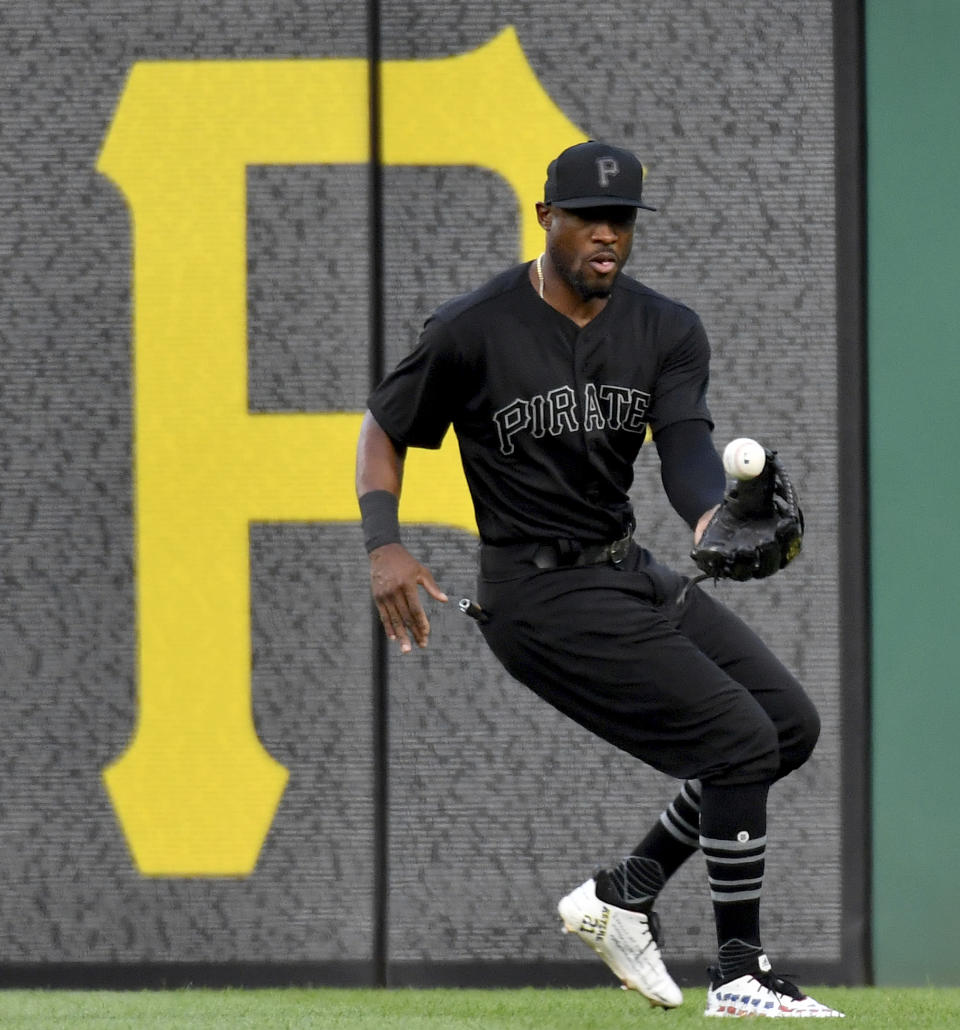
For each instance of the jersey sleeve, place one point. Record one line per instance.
(416, 402)
(690, 469)
(680, 393)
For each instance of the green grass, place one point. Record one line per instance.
(528, 1009)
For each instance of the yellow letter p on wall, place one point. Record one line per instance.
(196, 792)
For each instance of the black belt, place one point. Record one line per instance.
(557, 554)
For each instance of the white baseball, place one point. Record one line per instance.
(743, 458)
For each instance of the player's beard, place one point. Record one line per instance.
(578, 279)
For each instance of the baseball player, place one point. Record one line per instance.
(551, 374)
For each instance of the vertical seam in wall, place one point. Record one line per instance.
(378, 644)
(853, 479)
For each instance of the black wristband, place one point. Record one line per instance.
(381, 523)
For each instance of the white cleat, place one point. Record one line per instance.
(626, 941)
(765, 995)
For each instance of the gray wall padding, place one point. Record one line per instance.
(497, 804)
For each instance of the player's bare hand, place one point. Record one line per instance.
(395, 579)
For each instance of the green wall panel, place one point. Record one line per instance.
(913, 98)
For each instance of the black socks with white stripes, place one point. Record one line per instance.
(681, 820)
(635, 882)
(729, 824)
(733, 837)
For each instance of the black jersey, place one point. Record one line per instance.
(549, 416)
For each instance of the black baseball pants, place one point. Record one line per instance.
(680, 682)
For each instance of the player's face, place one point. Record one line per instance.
(589, 246)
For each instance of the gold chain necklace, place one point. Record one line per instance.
(540, 274)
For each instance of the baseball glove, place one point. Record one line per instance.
(756, 531)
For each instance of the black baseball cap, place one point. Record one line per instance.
(595, 174)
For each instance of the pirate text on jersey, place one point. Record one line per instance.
(558, 411)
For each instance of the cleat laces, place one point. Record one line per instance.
(656, 932)
(780, 985)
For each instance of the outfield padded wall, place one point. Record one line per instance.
(497, 805)
(913, 96)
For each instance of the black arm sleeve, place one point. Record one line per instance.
(690, 468)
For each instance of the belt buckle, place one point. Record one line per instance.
(618, 550)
